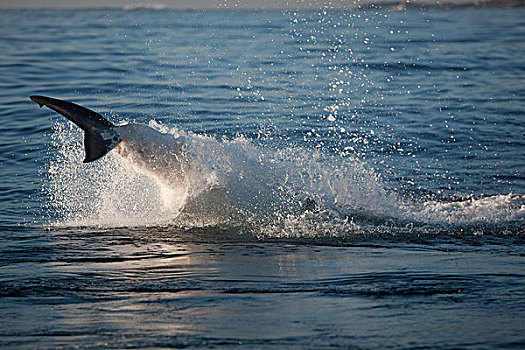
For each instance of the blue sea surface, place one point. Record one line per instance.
(359, 180)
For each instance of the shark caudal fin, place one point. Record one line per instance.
(100, 135)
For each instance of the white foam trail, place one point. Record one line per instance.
(492, 209)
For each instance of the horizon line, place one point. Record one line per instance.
(355, 5)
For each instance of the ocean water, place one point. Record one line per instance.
(358, 180)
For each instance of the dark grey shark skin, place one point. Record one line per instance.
(100, 135)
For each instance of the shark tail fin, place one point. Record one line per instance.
(100, 135)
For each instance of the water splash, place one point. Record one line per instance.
(109, 192)
(269, 192)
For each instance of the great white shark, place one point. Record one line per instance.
(161, 155)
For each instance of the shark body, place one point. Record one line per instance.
(160, 155)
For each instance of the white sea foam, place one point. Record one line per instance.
(285, 192)
(491, 209)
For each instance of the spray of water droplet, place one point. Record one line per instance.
(269, 192)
